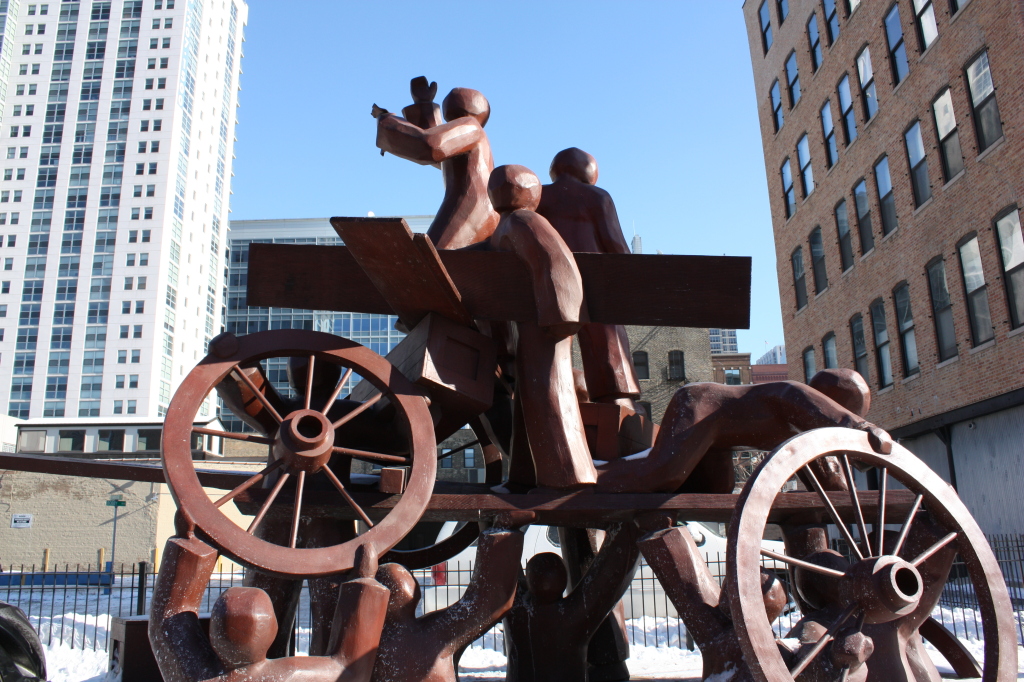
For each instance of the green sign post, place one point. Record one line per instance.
(115, 501)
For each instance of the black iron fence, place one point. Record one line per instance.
(74, 605)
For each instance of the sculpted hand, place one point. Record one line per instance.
(880, 440)
(378, 112)
(421, 90)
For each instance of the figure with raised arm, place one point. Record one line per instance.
(546, 634)
(243, 625)
(426, 649)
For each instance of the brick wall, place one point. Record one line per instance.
(990, 183)
(657, 342)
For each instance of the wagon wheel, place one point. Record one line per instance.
(888, 579)
(302, 447)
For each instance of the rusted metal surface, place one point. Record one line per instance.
(304, 441)
(897, 599)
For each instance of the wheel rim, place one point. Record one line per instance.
(305, 460)
(756, 637)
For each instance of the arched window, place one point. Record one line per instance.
(676, 366)
(640, 364)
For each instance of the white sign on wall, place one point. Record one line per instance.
(21, 521)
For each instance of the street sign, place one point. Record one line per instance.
(21, 520)
(116, 503)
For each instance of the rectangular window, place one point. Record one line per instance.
(918, 164)
(883, 353)
(860, 348)
(799, 278)
(949, 136)
(1011, 248)
(867, 84)
(846, 109)
(927, 29)
(814, 40)
(676, 366)
(983, 98)
(803, 152)
(766, 26)
(832, 20)
(942, 310)
(828, 129)
(905, 325)
(897, 46)
(886, 199)
(810, 368)
(793, 80)
(818, 261)
(977, 292)
(788, 192)
(641, 365)
(776, 97)
(864, 228)
(828, 345)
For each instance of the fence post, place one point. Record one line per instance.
(140, 599)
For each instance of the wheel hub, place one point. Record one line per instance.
(305, 440)
(885, 587)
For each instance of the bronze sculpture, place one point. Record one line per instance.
(495, 227)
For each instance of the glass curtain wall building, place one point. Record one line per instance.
(376, 332)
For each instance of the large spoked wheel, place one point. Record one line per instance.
(302, 446)
(898, 573)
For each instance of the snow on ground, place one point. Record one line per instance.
(64, 664)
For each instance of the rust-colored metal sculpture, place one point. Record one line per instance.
(243, 625)
(547, 634)
(426, 648)
(491, 299)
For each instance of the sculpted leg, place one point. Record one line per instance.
(607, 362)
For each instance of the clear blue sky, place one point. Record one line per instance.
(660, 92)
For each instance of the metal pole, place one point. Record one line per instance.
(113, 540)
(140, 601)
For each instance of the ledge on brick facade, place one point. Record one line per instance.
(870, 251)
(963, 171)
(1015, 332)
(991, 148)
(885, 390)
(912, 377)
(946, 363)
(985, 346)
(923, 206)
(960, 11)
(889, 236)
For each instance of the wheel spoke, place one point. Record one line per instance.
(807, 565)
(850, 483)
(257, 392)
(337, 390)
(309, 380)
(832, 511)
(348, 498)
(359, 410)
(372, 456)
(906, 525)
(266, 505)
(880, 526)
(248, 437)
(300, 482)
(928, 553)
(806, 659)
(250, 482)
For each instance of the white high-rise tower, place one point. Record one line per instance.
(118, 132)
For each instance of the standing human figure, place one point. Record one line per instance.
(461, 148)
(546, 634)
(584, 216)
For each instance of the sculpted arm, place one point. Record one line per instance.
(606, 579)
(427, 147)
(491, 589)
(609, 232)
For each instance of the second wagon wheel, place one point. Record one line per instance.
(893, 575)
(302, 447)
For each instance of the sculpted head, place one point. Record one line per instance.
(242, 626)
(546, 577)
(405, 591)
(574, 163)
(846, 387)
(513, 187)
(466, 102)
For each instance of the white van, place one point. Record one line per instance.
(443, 585)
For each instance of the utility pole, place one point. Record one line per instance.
(115, 501)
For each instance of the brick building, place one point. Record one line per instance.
(893, 137)
(665, 358)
